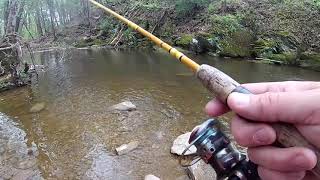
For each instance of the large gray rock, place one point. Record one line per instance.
(126, 148)
(201, 44)
(181, 143)
(124, 106)
(201, 171)
(151, 177)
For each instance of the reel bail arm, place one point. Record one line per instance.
(214, 147)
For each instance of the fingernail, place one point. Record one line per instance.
(239, 99)
(261, 137)
(209, 106)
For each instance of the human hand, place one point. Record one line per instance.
(297, 103)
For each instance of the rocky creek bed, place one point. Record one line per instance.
(73, 116)
(18, 161)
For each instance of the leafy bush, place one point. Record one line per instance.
(226, 25)
(129, 37)
(286, 57)
(106, 24)
(216, 6)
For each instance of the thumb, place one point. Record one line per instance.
(290, 107)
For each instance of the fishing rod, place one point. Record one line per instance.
(212, 146)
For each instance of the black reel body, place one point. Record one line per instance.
(215, 148)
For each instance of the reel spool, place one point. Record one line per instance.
(215, 148)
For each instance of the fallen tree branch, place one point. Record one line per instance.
(136, 13)
(118, 35)
(32, 58)
(7, 48)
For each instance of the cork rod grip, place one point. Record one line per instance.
(223, 85)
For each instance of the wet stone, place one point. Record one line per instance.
(38, 107)
(126, 148)
(151, 177)
(201, 171)
(181, 143)
(124, 106)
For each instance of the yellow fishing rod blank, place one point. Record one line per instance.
(172, 51)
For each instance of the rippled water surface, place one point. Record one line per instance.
(76, 134)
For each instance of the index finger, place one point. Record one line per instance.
(288, 86)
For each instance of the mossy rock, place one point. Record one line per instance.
(310, 56)
(289, 58)
(81, 44)
(203, 35)
(184, 41)
(85, 43)
(265, 46)
(237, 45)
(98, 42)
(311, 60)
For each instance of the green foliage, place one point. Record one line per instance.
(316, 3)
(311, 60)
(168, 29)
(129, 37)
(225, 24)
(106, 25)
(289, 58)
(217, 5)
(310, 56)
(265, 47)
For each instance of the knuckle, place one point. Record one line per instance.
(266, 103)
(238, 135)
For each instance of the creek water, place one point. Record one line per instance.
(76, 135)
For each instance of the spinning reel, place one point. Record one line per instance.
(215, 148)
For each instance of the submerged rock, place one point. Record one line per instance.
(201, 171)
(38, 107)
(124, 106)
(151, 177)
(181, 143)
(126, 148)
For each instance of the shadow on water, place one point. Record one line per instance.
(76, 135)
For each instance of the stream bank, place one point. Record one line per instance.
(265, 31)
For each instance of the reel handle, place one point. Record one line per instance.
(223, 85)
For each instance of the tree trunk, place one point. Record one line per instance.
(52, 17)
(12, 45)
(12, 17)
(43, 21)
(38, 22)
(86, 11)
(5, 16)
(19, 15)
